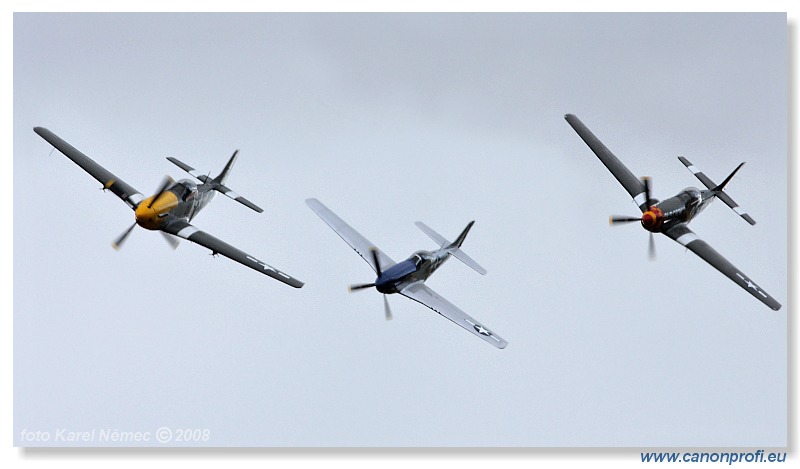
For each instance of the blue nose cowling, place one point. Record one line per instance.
(394, 274)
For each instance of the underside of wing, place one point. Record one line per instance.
(420, 293)
(631, 183)
(184, 230)
(128, 194)
(686, 237)
(360, 244)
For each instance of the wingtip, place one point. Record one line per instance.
(292, 282)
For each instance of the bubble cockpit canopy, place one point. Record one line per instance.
(184, 189)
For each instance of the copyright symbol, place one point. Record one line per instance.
(164, 435)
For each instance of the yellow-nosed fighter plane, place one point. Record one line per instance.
(173, 206)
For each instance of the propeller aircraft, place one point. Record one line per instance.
(671, 216)
(173, 206)
(408, 277)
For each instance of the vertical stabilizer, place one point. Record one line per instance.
(454, 247)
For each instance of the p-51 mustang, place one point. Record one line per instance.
(173, 206)
(672, 215)
(408, 277)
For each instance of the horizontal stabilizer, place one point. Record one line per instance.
(233, 195)
(217, 181)
(699, 174)
(453, 247)
(188, 169)
(433, 235)
(718, 188)
(732, 204)
(463, 257)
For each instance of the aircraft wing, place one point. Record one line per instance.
(184, 230)
(631, 183)
(420, 293)
(120, 188)
(683, 235)
(360, 244)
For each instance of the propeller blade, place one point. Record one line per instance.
(614, 219)
(359, 286)
(374, 252)
(117, 244)
(647, 187)
(164, 184)
(386, 310)
(651, 248)
(173, 242)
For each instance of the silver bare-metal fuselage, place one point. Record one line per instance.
(416, 268)
(191, 198)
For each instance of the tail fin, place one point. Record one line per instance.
(728, 179)
(224, 174)
(453, 247)
(718, 188)
(460, 240)
(217, 182)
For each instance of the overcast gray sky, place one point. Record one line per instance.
(389, 119)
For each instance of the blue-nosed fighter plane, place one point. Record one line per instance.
(671, 216)
(173, 206)
(408, 277)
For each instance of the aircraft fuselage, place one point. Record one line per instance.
(416, 268)
(183, 200)
(681, 208)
